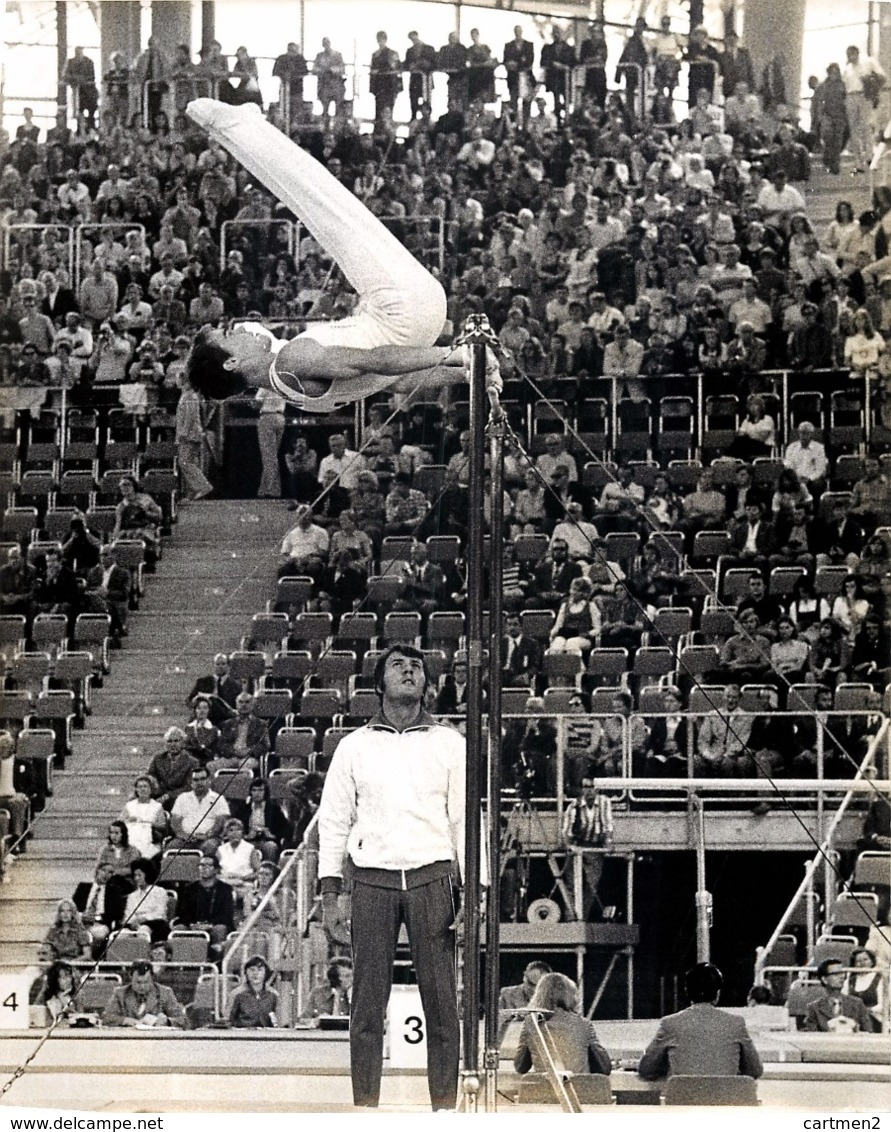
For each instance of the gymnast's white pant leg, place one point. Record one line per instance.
(401, 304)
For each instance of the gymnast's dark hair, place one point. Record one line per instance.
(205, 372)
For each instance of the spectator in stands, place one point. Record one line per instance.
(768, 608)
(244, 739)
(145, 818)
(238, 859)
(519, 996)
(722, 742)
(405, 507)
(839, 537)
(60, 992)
(553, 576)
(806, 456)
(107, 590)
(701, 1039)
(198, 815)
(577, 626)
(836, 1012)
(385, 82)
(304, 549)
(330, 69)
(581, 537)
(207, 308)
(779, 200)
(35, 328)
(529, 506)
(262, 819)
(147, 909)
(67, 938)
(850, 607)
(138, 516)
(219, 688)
(117, 851)
(829, 656)
(870, 661)
(342, 460)
(871, 502)
(452, 696)
(332, 998)
(368, 505)
(171, 769)
(745, 656)
(18, 580)
(207, 904)
(254, 1006)
(144, 1003)
(752, 540)
(609, 757)
(876, 834)
(135, 315)
(98, 294)
(789, 653)
(521, 656)
(868, 985)
(670, 738)
(13, 801)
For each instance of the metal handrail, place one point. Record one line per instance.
(859, 784)
(294, 868)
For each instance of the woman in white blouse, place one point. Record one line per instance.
(145, 818)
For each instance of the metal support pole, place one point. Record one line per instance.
(475, 332)
(496, 432)
(703, 897)
(62, 53)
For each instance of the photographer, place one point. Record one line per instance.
(111, 356)
(588, 824)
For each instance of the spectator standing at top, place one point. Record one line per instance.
(519, 55)
(385, 82)
(80, 75)
(705, 65)
(829, 113)
(291, 70)
(863, 79)
(151, 70)
(736, 65)
(420, 62)
(330, 70)
(557, 62)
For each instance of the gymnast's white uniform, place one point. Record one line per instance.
(400, 303)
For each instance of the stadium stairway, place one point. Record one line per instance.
(216, 572)
(824, 190)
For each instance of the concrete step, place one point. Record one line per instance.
(143, 702)
(37, 912)
(70, 797)
(122, 726)
(79, 833)
(76, 853)
(12, 932)
(17, 956)
(32, 875)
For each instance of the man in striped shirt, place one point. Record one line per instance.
(588, 824)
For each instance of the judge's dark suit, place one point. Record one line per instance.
(701, 1041)
(116, 892)
(62, 303)
(227, 692)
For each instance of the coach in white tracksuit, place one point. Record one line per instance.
(394, 803)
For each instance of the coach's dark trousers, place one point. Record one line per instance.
(380, 904)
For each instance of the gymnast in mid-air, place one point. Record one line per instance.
(389, 340)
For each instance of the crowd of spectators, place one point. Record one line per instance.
(611, 247)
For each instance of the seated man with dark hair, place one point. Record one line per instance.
(701, 1040)
(388, 343)
(208, 904)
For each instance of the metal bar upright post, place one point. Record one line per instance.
(475, 331)
(496, 432)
